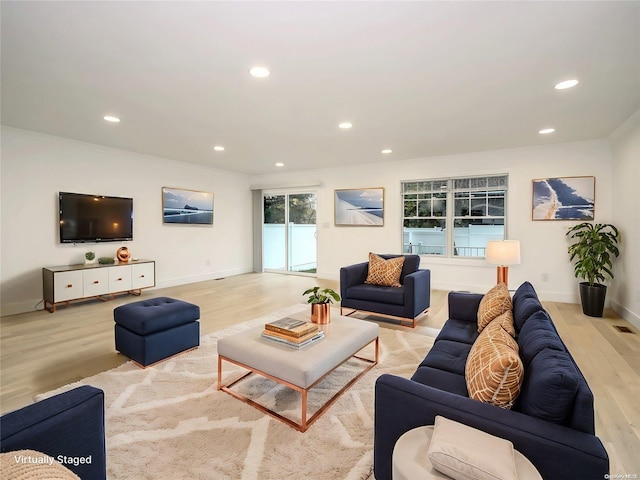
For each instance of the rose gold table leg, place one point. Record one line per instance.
(304, 410)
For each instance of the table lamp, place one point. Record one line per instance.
(503, 253)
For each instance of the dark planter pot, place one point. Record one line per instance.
(592, 298)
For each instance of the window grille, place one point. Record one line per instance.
(453, 217)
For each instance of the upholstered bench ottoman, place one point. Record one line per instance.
(152, 330)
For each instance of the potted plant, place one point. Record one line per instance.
(320, 300)
(89, 258)
(594, 248)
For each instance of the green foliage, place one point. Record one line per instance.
(321, 295)
(302, 209)
(89, 256)
(593, 250)
(106, 260)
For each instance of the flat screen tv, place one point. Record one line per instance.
(95, 218)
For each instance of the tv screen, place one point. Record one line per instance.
(95, 218)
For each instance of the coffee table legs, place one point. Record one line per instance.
(304, 423)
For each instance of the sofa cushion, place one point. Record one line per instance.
(550, 386)
(383, 272)
(374, 293)
(466, 453)
(525, 303)
(537, 334)
(494, 371)
(459, 331)
(446, 381)
(448, 356)
(155, 315)
(495, 302)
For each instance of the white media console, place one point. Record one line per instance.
(74, 282)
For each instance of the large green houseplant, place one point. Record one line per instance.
(594, 247)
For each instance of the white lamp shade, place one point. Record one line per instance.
(503, 252)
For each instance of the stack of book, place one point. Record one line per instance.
(292, 332)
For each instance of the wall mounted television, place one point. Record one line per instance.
(95, 218)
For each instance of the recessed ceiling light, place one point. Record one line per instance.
(279, 164)
(259, 72)
(566, 84)
(386, 150)
(219, 148)
(546, 131)
(111, 118)
(345, 125)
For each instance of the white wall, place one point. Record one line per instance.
(36, 167)
(543, 243)
(626, 201)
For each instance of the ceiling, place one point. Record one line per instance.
(421, 78)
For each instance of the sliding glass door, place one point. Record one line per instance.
(289, 232)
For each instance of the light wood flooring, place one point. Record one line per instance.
(40, 351)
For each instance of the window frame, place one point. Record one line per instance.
(454, 189)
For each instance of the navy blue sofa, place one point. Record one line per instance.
(551, 422)
(68, 427)
(406, 303)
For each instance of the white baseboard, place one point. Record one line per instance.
(328, 275)
(543, 295)
(30, 305)
(21, 307)
(174, 282)
(628, 315)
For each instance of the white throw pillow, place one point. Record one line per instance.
(466, 453)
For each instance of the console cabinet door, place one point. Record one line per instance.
(119, 278)
(96, 282)
(67, 286)
(143, 275)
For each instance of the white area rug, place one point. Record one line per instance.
(170, 422)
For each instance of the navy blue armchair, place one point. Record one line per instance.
(406, 303)
(68, 427)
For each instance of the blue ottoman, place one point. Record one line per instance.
(152, 330)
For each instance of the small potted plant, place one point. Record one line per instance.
(89, 258)
(595, 246)
(321, 300)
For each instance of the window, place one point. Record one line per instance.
(453, 217)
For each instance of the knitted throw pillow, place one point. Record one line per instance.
(32, 465)
(385, 273)
(494, 371)
(494, 303)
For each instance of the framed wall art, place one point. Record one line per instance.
(187, 207)
(564, 198)
(359, 207)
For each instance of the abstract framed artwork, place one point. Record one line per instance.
(361, 207)
(564, 198)
(186, 207)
